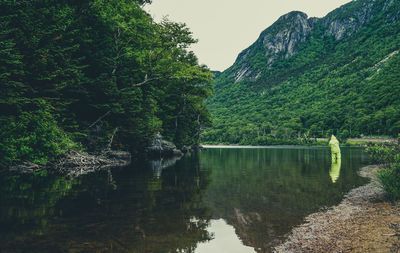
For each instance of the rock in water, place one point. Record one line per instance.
(161, 147)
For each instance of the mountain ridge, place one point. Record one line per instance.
(287, 78)
(277, 40)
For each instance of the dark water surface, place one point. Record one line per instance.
(220, 200)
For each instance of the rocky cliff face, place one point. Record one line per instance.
(296, 28)
(282, 39)
(282, 36)
(348, 19)
(279, 40)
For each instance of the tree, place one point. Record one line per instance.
(101, 70)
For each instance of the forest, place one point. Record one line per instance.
(96, 74)
(87, 74)
(90, 88)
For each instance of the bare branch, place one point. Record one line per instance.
(146, 80)
(112, 139)
(102, 117)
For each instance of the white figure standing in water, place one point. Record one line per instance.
(336, 159)
(335, 149)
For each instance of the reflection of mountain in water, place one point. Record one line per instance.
(103, 212)
(264, 193)
(162, 207)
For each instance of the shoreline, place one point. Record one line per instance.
(260, 146)
(321, 142)
(362, 222)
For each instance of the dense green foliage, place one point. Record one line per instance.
(81, 71)
(33, 136)
(348, 87)
(390, 179)
(388, 155)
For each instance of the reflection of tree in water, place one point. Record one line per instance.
(28, 200)
(134, 211)
(264, 193)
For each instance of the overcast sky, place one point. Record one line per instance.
(225, 27)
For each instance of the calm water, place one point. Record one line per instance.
(220, 200)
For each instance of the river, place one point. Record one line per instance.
(217, 200)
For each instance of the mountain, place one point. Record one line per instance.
(216, 73)
(311, 77)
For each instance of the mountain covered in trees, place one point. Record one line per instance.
(90, 74)
(311, 77)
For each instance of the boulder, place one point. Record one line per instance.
(186, 149)
(197, 147)
(177, 152)
(161, 147)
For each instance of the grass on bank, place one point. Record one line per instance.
(388, 156)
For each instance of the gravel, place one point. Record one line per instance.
(362, 222)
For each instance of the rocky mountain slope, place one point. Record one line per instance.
(310, 77)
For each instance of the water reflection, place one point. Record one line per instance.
(247, 199)
(263, 193)
(335, 169)
(157, 166)
(128, 210)
(225, 240)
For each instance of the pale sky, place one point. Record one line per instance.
(226, 27)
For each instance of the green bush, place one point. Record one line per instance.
(383, 153)
(388, 155)
(390, 179)
(31, 135)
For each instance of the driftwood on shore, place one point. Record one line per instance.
(26, 167)
(74, 163)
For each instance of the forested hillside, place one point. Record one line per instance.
(311, 77)
(88, 74)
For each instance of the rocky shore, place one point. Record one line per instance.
(362, 222)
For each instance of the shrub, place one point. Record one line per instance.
(388, 155)
(32, 135)
(390, 179)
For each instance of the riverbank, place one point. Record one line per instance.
(357, 142)
(362, 222)
(362, 141)
(255, 147)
